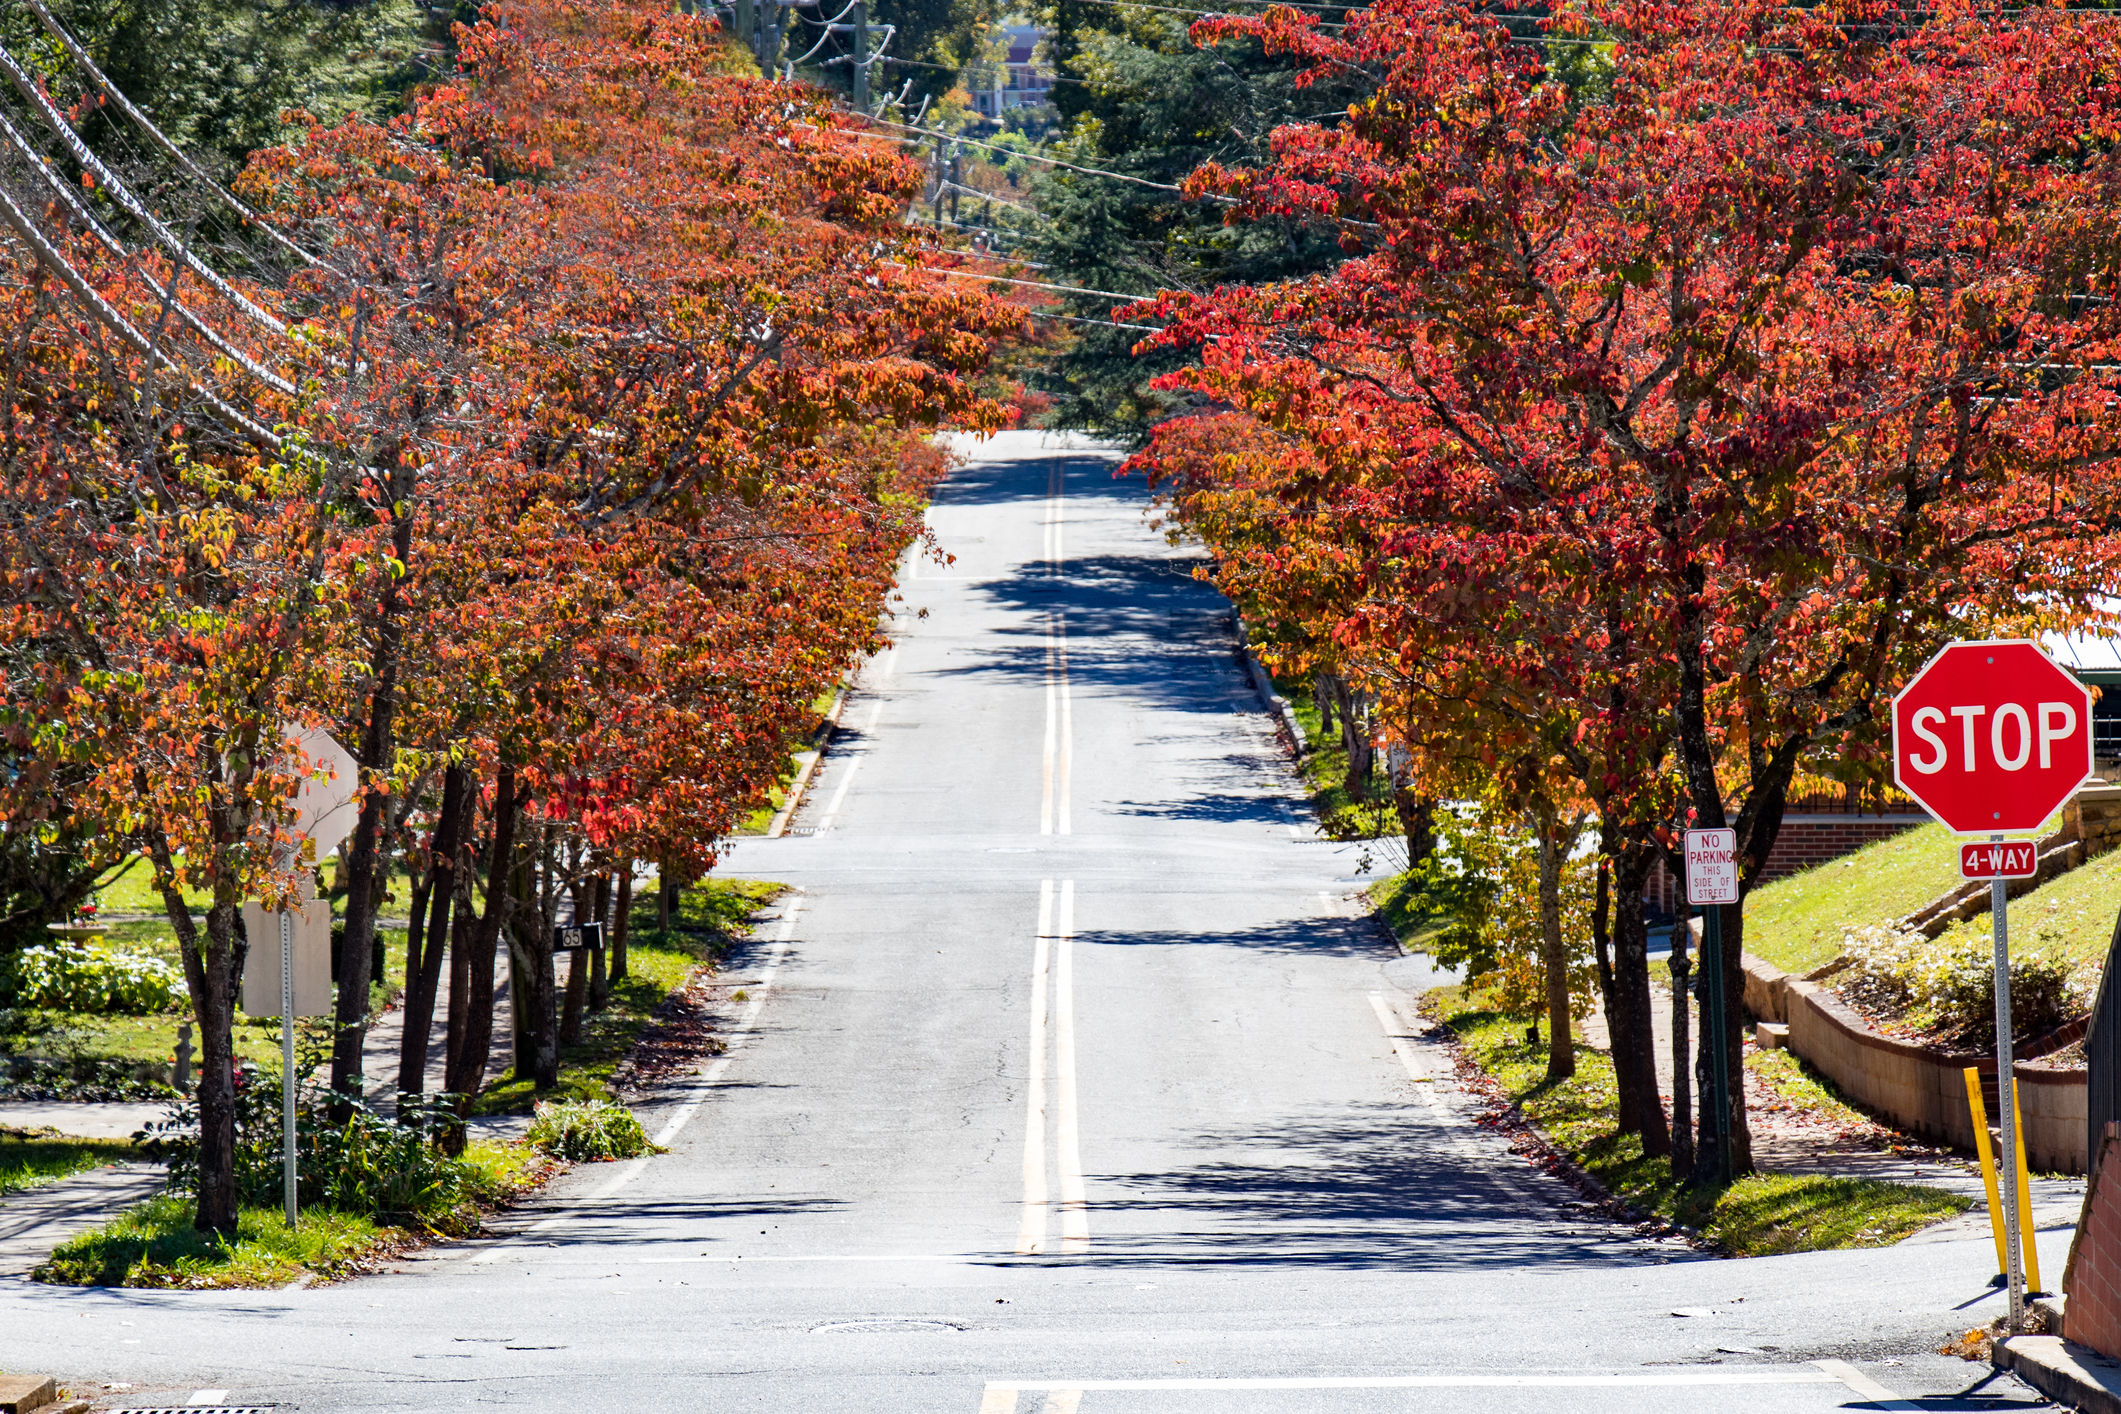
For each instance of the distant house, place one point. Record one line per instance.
(1017, 82)
(2096, 660)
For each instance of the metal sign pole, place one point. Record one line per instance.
(287, 1059)
(1713, 1026)
(2007, 1102)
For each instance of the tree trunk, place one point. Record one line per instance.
(577, 998)
(469, 1070)
(666, 898)
(1731, 1035)
(1322, 699)
(622, 922)
(210, 976)
(1682, 1097)
(1635, 1042)
(533, 984)
(424, 947)
(1355, 738)
(464, 919)
(1417, 812)
(599, 984)
(1759, 821)
(366, 864)
(1553, 948)
(423, 894)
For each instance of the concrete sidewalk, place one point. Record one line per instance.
(36, 1220)
(2070, 1374)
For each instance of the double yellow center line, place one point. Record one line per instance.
(1053, 1024)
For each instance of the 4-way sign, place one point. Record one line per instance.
(1992, 738)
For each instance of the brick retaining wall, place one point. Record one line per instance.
(1917, 1088)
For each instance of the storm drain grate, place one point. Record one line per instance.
(202, 1409)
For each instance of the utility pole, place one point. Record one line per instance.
(938, 215)
(861, 56)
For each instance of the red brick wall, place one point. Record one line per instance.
(2092, 1281)
(1805, 841)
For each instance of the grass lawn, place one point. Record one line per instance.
(27, 1161)
(709, 917)
(155, 1245)
(1402, 907)
(1759, 1215)
(1796, 923)
(2069, 919)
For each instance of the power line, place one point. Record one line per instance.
(1035, 284)
(1039, 157)
(1047, 74)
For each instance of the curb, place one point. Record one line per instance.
(802, 777)
(1277, 706)
(2062, 1370)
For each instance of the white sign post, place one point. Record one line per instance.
(1711, 882)
(324, 813)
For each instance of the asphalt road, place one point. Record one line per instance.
(1069, 1078)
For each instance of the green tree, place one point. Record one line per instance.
(1139, 97)
(217, 74)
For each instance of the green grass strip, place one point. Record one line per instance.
(28, 1161)
(155, 1245)
(1761, 1215)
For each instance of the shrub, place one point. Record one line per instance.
(589, 1129)
(1961, 992)
(1946, 986)
(368, 1166)
(89, 979)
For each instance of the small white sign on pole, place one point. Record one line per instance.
(1711, 866)
(312, 958)
(294, 978)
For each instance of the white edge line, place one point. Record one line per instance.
(1863, 1385)
(1416, 1071)
(704, 1082)
(1719, 1377)
(988, 1257)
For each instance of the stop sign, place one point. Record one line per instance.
(1992, 737)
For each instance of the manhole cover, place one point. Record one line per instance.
(882, 1327)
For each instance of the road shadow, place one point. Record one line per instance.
(1087, 475)
(1219, 809)
(1307, 937)
(1364, 1186)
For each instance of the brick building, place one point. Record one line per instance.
(1807, 839)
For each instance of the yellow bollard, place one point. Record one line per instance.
(2025, 1198)
(1988, 1163)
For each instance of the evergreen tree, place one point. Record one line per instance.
(1139, 97)
(216, 75)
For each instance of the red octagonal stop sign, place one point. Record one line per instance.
(1992, 737)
